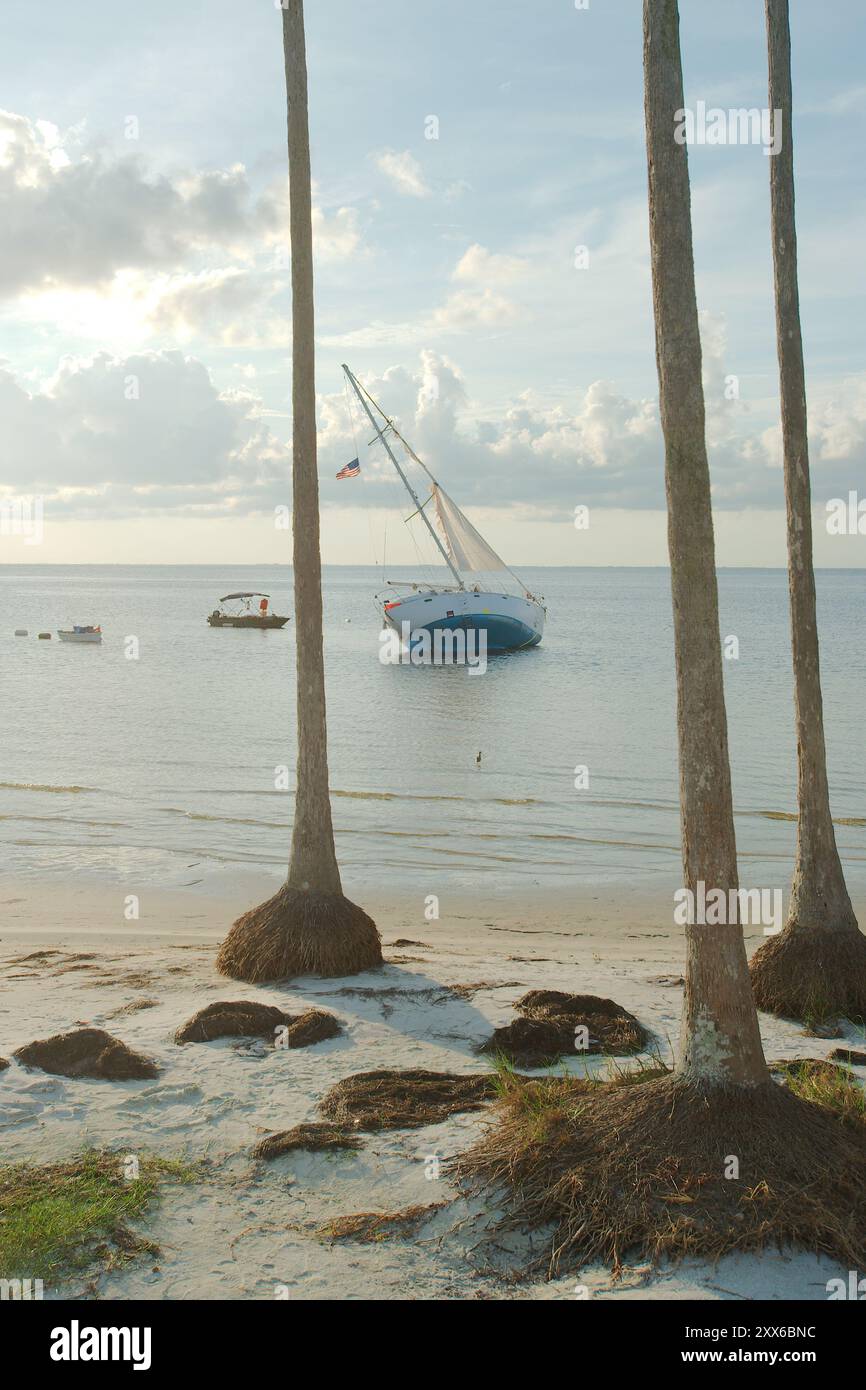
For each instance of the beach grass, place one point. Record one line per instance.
(830, 1085)
(639, 1163)
(61, 1218)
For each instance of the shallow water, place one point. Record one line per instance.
(162, 767)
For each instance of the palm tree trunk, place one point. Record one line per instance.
(313, 863)
(819, 897)
(720, 1038)
(307, 927)
(816, 969)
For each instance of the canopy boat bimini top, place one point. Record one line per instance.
(80, 633)
(244, 615)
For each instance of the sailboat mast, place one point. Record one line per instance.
(408, 486)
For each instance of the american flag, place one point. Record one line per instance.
(351, 470)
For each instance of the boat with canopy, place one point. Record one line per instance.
(510, 621)
(80, 632)
(243, 614)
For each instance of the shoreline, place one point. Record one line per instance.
(31, 905)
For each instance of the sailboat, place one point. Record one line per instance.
(509, 621)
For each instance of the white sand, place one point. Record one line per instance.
(246, 1227)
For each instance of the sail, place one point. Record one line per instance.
(467, 548)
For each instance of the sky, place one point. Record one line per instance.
(482, 264)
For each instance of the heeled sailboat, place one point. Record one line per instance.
(510, 621)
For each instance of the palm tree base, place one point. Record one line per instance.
(640, 1169)
(806, 973)
(300, 933)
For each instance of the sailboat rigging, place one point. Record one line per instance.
(509, 622)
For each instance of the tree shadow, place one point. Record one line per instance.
(409, 1002)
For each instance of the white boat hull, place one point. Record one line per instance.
(510, 622)
(79, 636)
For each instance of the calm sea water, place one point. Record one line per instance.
(161, 769)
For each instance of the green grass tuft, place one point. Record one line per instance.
(64, 1217)
(825, 1083)
(547, 1101)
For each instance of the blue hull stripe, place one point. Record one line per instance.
(503, 634)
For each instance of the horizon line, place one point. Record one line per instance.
(335, 564)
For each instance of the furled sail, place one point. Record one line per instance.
(467, 548)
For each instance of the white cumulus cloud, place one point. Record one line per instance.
(405, 172)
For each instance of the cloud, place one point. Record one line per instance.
(231, 306)
(472, 309)
(116, 436)
(603, 448)
(77, 219)
(837, 103)
(336, 234)
(150, 433)
(405, 173)
(839, 425)
(217, 303)
(478, 305)
(338, 237)
(77, 222)
(477, 264)
(600, 447)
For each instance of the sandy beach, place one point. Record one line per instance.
(250, 1229)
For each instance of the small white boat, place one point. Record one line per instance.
(80, 634)
(508, 621)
